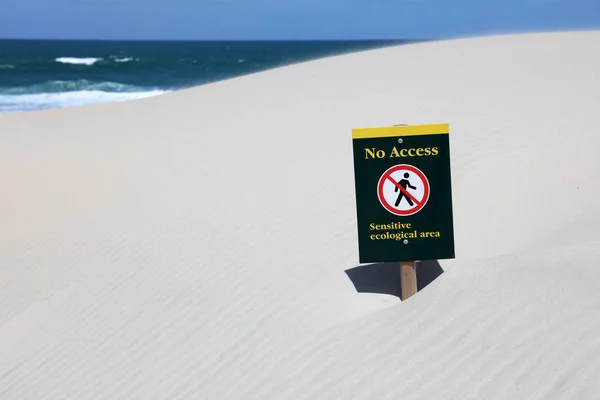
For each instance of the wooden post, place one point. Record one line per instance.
(408, 278)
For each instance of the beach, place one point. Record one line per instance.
(195, 244)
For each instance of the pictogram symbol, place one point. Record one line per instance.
(403, 190)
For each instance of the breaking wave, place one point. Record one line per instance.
(77, 60)
(122, 59)
(60, 94)
(74, 86)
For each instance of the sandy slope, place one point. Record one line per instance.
(193, 245)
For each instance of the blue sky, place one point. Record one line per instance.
(289, 19)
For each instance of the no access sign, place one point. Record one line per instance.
(403, 193)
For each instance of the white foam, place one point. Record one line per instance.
(123, 59)
(77, 60)
(41, 101)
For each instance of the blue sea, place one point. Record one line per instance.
(43, 74)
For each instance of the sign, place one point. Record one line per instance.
(403, 193)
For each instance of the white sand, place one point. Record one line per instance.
(193, 245)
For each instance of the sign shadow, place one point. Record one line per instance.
(384, 278)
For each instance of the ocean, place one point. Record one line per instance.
(43, 74)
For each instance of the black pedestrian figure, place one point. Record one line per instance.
(404, 183)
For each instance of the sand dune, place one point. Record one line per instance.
(195, 245)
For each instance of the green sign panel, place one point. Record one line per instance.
(403, 193)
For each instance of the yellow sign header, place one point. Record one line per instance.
(405, 130)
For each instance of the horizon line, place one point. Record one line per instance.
(218, 40)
